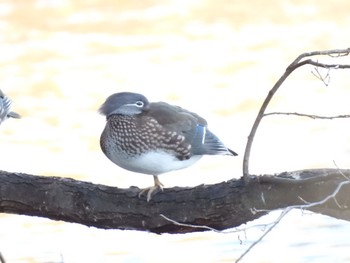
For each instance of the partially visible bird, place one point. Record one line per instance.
(154, 138)
(5, 108)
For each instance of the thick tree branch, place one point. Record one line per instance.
(220, 206)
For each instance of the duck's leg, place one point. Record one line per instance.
(151, 189)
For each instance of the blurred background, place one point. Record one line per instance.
(60, 59)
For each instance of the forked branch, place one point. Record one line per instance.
(298, 62)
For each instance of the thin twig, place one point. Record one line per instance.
(189, 225)
(235, 230)
(331, 53)
(325, 79)
(283, 214)
(312, 116)
(340, 171)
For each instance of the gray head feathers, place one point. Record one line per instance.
(125, 103)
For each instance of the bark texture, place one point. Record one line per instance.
(220, 206)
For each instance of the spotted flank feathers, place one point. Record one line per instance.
(154, 137)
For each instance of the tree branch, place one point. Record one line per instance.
(220, 206)
(298, 62)
(312, 116)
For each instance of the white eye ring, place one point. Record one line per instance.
(139, 104)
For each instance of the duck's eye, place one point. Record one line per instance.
(139, 104)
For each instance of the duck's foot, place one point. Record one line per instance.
(151, 189)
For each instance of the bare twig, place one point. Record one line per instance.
(325, 79)
(283, 214)
(340, 171)
(332, 53)
(298, 62)
(305, 206)
(190, 225)
(312, 116)
(235, 230)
